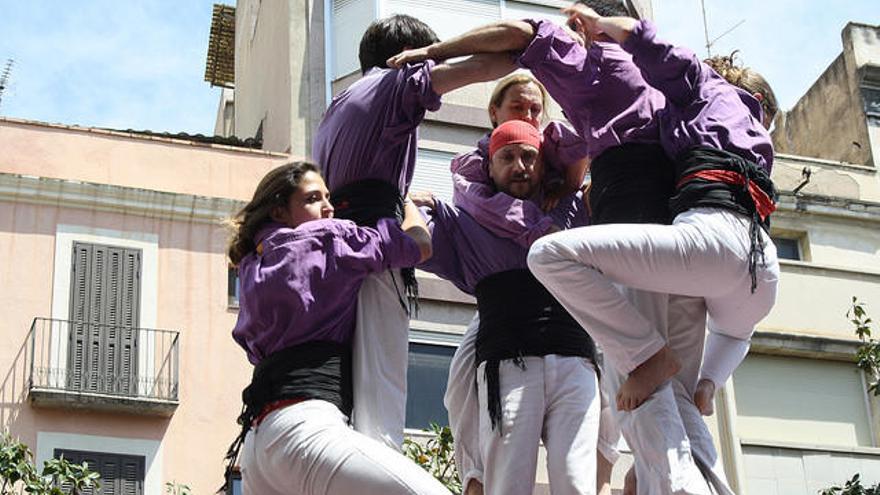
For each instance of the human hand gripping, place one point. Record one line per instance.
(584, 19)
(423, 199)
(407, 57)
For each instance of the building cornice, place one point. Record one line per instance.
(816, 204)
(140, 136)
(109, 198)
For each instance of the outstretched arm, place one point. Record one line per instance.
(482, 67)
(501, 36)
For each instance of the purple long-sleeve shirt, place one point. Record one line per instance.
(304, 285)
(465, 252)
(702, 107)
(370, 130)
(504, 215)
(600, 90)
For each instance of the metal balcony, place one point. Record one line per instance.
(103, 367)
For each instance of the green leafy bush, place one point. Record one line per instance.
(868, 354)
(18, 474)
(852, 487)
(436, 456)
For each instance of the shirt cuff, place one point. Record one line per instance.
(644, 31)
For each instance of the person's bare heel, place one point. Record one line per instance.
(704, 397)
(646, 378)
(474, 487)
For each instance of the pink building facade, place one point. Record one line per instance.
(121, 231)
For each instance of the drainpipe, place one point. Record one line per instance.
(731, 450)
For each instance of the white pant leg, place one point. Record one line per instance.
(609, 430)
(704, 253)
(655, 431)
(701, 442)
(308, 449)
(571, 424)
(656, 434)
(463, 407)
(379, 360)
(686, 335)
(510, 456)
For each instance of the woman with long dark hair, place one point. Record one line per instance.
(300, 271)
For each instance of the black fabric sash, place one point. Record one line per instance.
(366, 201)
(314, 370)
(697, 193)
(631, 183)
(519, 318)
(705, 193)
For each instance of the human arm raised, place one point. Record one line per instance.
(503, 36)
(481, 67)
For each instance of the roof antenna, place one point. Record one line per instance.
(4, 77)
(706, 30)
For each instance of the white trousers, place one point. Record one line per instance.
(554, 399)
(379, 361)
(667, 435)
(703, 253)
(308, 449)
(462, 405)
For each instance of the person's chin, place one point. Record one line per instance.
(520, 190)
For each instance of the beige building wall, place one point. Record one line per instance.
(164, 196)
(830, 120)
(279, 71)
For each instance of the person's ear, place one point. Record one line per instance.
(493, 115)
(278, 214)
(759, 97)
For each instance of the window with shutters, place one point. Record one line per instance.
(104, 315)
(121, 474)
(432, 173)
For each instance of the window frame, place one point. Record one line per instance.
(798, 237)
(433, 338)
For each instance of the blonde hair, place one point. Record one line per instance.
(274, 190)
(749, 80)
(510, 81)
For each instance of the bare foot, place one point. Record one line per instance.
(704, 397)
(645, 379)
(474, 488)
(629, 482)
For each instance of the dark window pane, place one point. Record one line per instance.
(232, 287)
(426, 384)
(787, 249)
(234, 486)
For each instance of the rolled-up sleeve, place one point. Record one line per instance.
(562, 147)
(415, 92)
(563, 66)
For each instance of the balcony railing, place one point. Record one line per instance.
(101, 366)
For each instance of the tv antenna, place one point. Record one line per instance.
(706, 30)
(4, 77)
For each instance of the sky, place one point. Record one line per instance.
(140, 64)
